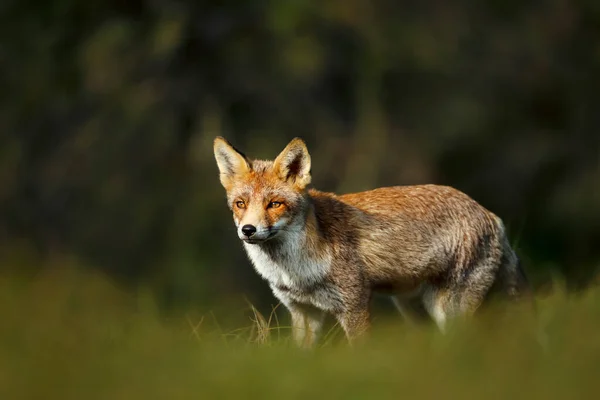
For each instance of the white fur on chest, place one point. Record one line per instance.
(293, 267)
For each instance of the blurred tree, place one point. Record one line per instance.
(108, 110)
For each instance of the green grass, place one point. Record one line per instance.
(72, 335)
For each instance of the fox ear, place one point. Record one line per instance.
(231, 162)
(293, 164)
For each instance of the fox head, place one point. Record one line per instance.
(267, 198)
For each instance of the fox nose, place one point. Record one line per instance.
(248, 230)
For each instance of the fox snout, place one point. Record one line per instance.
(256, 232)
(249, 234)
(252, 234)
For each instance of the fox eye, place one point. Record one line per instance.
(240, 204)
(274, 204)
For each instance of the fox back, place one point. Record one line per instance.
(326, 254)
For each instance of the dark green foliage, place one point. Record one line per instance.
(108, 111)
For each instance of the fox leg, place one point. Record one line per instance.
(436, 304)
(461, 294)
(307, 322)
(356, 324)
(355, 319)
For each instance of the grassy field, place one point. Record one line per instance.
(71, 335)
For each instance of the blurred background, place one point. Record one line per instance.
(108, 111)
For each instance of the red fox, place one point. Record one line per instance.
(323, 253)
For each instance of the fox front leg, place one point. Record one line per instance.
(307, 323)
(356, 321)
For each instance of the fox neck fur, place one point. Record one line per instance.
(297, 262)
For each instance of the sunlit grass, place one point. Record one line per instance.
(68, 334)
